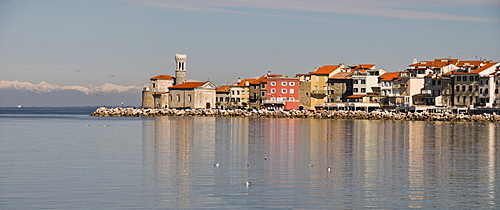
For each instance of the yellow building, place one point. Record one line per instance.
(319, 85)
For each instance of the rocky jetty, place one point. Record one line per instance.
(374, 115)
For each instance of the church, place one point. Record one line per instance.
(165, 91)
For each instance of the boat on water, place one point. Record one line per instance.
(19, 106)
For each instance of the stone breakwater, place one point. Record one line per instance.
(374, 115)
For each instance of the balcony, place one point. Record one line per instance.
(318, 92)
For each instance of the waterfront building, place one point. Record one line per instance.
(258, 91)
(365, 83)
(389, 84)
(155, 96)
(319, 85)
(165, 91)
(192, 95)
(304, 89)
(340, 86)
(223, 97)
(282, 93)
(240, 93)
(476, 87)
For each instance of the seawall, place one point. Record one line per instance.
(374, 115)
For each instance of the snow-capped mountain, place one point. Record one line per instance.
(44, 87)
(13, 93)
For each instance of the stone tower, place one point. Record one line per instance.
(180, 68)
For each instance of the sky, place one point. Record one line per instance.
(126, 42)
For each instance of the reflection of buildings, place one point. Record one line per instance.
(170, 146)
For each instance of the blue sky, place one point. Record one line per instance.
(82, 42)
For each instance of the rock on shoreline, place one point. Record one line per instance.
(374, 115)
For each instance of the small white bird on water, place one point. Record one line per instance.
(216, 165)
(328, 169)
(249, 184)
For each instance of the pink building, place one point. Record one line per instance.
(282, 93)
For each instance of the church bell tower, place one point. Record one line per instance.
(180, 68)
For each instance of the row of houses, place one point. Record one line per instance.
(438, 83)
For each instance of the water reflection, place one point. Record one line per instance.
(382, 164)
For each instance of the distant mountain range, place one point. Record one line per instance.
(43, 94)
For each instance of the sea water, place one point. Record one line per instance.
(61, 158)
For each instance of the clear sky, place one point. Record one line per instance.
(82, 42)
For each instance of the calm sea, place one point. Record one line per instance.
(61, 158)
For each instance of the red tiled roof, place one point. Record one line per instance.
(188, 85)
(325, 70)
(162, 77)
(479, 70)
(224, 88)
(389, 76)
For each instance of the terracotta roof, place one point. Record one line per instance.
(258, 81)
(479, 70)
(444, 62)
(188, 85)
(342, 75)
(224, 88)
(162, 77)
(389, 76)
(325, 70)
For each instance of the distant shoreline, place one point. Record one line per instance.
(362, 115)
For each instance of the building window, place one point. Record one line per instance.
(355, 90)
(470, 87)
(283, 83)
(237, 92)
(189, 97)
(363, 89)
(273, 90)
(317, 79)
(292, 83)
(170, 97)
(471, 78)
(459, 78)
(154, 85)
(292, 91)
(458, 98)
(178, 97)
(463, 88)
(363, 81)
(355, 82)
(273, 83)
(486, 91)
(457, 88)
(292, 99)
(283, 91)
(439, 82)
(465, 78)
